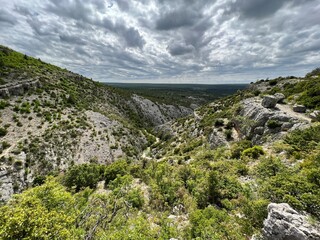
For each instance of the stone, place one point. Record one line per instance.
(299, 108)
(280, 97)
(315, 115)
(259, 130)
(286, 126)
(283, 222)
(269, 101)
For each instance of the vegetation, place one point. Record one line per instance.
(174, 182)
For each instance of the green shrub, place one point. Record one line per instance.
(5, 145)
(3, 132)
(256, 211)
(238, 147)
(228, 134)
(111, 172)
(84, 175)
(135, 198)
(304, 140)
(273, 82)
(218, 123)
(273, 124)
(253, 152)
(3, 104)
(269, 167)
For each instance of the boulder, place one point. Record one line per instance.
(299, 108)
(280, 97)
(315, 115)
(284, 222)
(269, 101)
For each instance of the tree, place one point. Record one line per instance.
(44, 212)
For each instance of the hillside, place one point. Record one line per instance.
(52, 118)
(95, 162)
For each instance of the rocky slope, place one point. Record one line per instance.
(52, 118)
(119, 166)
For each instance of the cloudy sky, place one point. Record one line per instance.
(190, 41)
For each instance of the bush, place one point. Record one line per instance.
(135, 198)
(272, 124)
(116, 168)
(3, 132)
(269, 167)
(253, 152)
(219, 123)
(314, 72)
(273, 82)
(3, 104)
(84, 175)
(238, 148)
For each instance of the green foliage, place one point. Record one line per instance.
(211, 223)
(238, 147)
(269, 167)
(304, 141)
(3, 132)
(314, 72)
(253, 152)
(308, 90)
(256, 211)
(115, 169)
(273, 124)
(45, 212)
(84, 175)
(218, 123)
(3, 104)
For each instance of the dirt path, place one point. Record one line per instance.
(287, 109)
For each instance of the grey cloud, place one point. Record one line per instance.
(124, 5)
(259, 9)
(84, 15)
(132, 37)
(39, 27)
(256, 8)
(74, 9)
(179, 49)
(23, 10)
(7, 17)
(176, 19)
(72, 39)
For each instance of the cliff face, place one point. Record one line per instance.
(157, 113)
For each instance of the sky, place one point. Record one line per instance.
(167, 41)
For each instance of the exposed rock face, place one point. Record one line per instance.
(19, 88)
(269, 101)
(280, 97)
(159, 114)
(299, 108)
(284, 223)
(253, 121)
(217, 139)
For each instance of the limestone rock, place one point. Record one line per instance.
(280, 97)
(299, 108)
(269, 101)
(284, 222)
(315, 115)
(252, 118)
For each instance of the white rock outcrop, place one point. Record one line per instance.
(284, 223)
